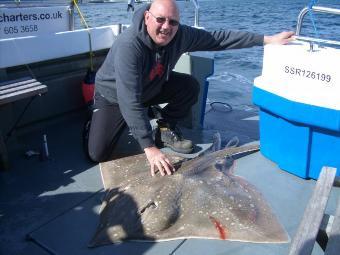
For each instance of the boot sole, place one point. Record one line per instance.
(184, 151)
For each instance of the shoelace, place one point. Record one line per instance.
(176, 133)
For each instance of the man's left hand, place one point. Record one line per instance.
(280, 38)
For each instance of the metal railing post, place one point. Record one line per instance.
(71, 16)
(195, 2)
(301, 16)
(320, 9)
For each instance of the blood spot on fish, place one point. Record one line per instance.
(221, 230)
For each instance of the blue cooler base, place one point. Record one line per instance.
(298, 148)
(325, 151)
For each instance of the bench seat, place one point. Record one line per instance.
(11, 91)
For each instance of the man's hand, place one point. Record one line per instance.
(280, 38)
(158, 161)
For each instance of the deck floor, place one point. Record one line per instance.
(51, 207)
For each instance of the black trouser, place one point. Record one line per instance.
(109, 135)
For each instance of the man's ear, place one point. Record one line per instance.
(146, 17)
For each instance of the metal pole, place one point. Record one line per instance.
(195, 2)
(319, 9)
(71, 16)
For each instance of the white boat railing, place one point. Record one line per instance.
(318, 9)
(195, 2)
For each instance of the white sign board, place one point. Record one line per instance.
(30, 21)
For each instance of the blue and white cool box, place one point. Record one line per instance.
(299, 98)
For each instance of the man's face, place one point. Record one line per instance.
(162, 22)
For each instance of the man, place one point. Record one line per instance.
(137, 73)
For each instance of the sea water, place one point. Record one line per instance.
(234, 70)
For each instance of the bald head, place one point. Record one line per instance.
(161, 21)
(169, 5)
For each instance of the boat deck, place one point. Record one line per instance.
(51, 207)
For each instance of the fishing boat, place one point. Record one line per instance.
(50, 193)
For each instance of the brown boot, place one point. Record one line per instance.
(170, 136)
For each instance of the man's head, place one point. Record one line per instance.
(162, 21)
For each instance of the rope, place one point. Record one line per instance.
(310, 7)
(219, 107)
(83, 21)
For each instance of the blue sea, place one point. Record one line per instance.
(234, 70)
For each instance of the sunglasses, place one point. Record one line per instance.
(162, 20)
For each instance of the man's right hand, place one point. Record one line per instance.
(158, 161)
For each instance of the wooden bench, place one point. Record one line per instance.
(11, 91)
(309, 228)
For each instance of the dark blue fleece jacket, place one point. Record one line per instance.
(132, 72)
